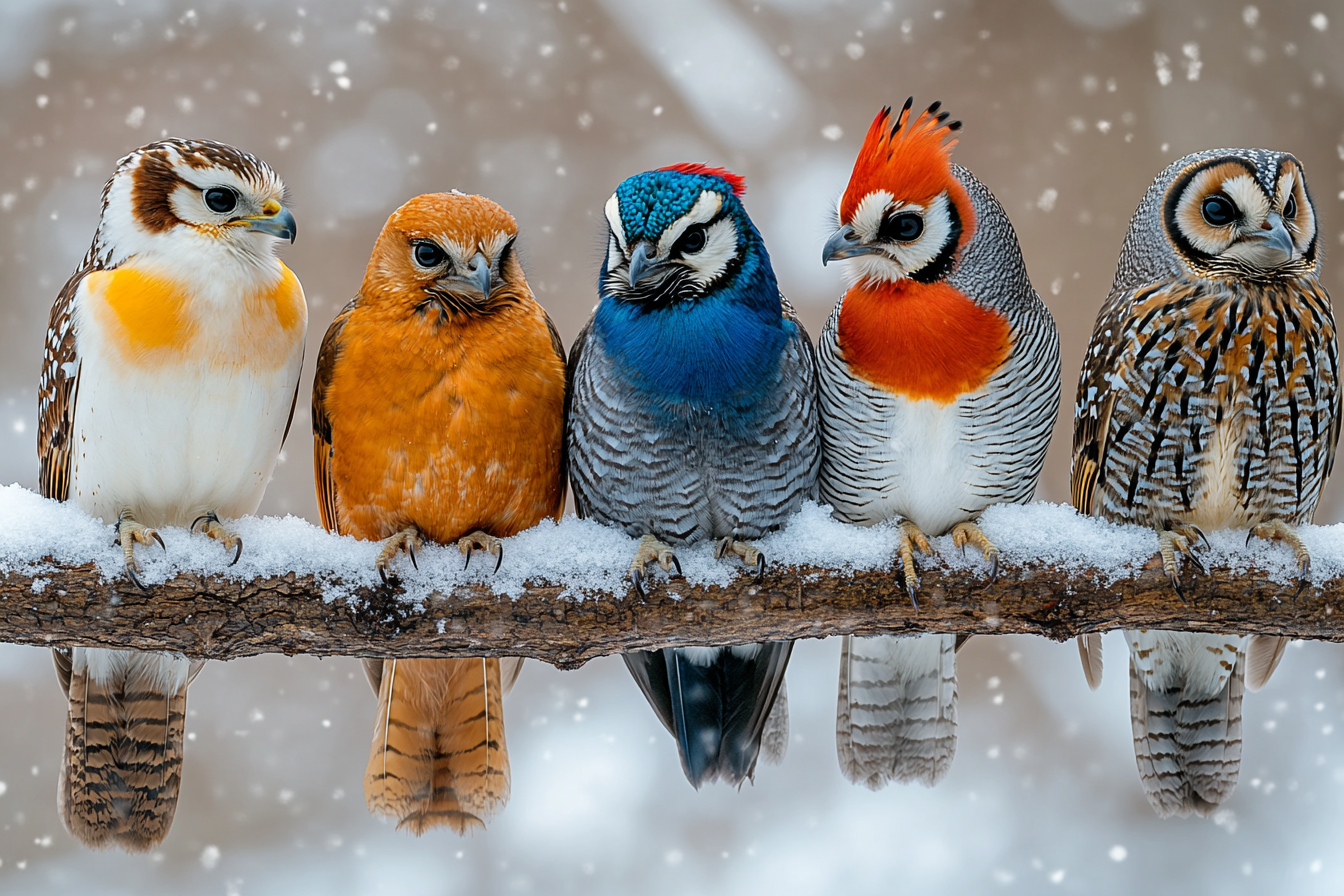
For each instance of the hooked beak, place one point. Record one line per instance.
(1268, 248)
(476, 282)
(277, 223)
(844, 244)
(642, 265)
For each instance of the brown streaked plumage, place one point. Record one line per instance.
(180, 329)
(1208, 400)
(438, 412)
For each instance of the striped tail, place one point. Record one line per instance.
(123, 745)
(896, 718)
(1185, 692)
(439, 755)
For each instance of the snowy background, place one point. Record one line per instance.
(1071, 107)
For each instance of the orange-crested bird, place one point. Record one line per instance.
(168, 385)
(438, 413)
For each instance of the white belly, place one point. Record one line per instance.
(174, 442)
(920, 470)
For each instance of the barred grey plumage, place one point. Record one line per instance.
(690, 471)
(1208, 399)
(694, 416)
(932, 452)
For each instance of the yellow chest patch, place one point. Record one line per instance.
(151, 319)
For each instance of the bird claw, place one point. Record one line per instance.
(637, 581)
(405, 540)
(469, 544)
(208, 524)
(750, 554)
(651, 550)
(1278, 530)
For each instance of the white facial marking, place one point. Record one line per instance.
(704, 210)
(709, 263)
(898, 260)
(613, 211)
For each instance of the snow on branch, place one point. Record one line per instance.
(562, 596)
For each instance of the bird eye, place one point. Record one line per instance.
(221, 200)
(1218, 210)
(1290, 207)
(905, 227)
(692, 241)
(428, 255)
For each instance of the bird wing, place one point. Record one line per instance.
(323, 450)
(1092, 412)
(57, 392)
(571, 370)
(558, 344)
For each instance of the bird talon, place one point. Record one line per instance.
(500, 555)
(760, 567)
(382, 574)
(236, 554)
(159, 539)
(469, 544)
(410, 550)
(677, 564)
(637, 581)
(135, 579)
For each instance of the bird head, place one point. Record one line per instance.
(1240, 213)
(448, 250)
(185, 202)
(679, 234)
(904, 213)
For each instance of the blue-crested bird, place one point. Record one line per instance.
(694, 416)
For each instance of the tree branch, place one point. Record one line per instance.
(218, 618)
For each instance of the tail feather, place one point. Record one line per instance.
(718, 703)
(775, 737)
(896, 715)
(122, 766)
(438, 757)
(1185, 700)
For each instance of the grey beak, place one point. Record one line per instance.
(641, 265)
(844, 244)
(280, 225)
(480, 269)
(1268, 248)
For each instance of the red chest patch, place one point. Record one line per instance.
(921, 340)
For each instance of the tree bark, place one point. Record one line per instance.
(220, 619)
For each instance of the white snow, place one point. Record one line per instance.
(587, 558)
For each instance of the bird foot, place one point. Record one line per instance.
(407, 540)
(128, 533)
(969, 533)
(209, 525)
(1278, 530)
(650, 550)
(479, 540)
(1179, 540)
(911, 540)
(750, 554)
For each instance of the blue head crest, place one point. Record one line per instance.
(689, 299)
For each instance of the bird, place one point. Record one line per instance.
(438, 415)
(168, 384)
(1208, 400)
(693, 418)
(940, 381)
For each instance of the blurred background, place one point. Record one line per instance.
(1071, 107)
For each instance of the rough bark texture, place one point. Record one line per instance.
(218, 619)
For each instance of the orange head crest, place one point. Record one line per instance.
(910, 160)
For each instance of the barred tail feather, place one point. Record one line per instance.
(122, 766)
(438, 756)
(1185, 700)
(896, 716)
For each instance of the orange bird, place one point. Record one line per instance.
(438, 413)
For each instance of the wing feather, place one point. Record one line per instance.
(323, 450)
(58, 392)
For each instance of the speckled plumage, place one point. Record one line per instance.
(938, 395)
(1208, 399)
(694, 417)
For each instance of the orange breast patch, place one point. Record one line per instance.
(921, 340)
(147, 312)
